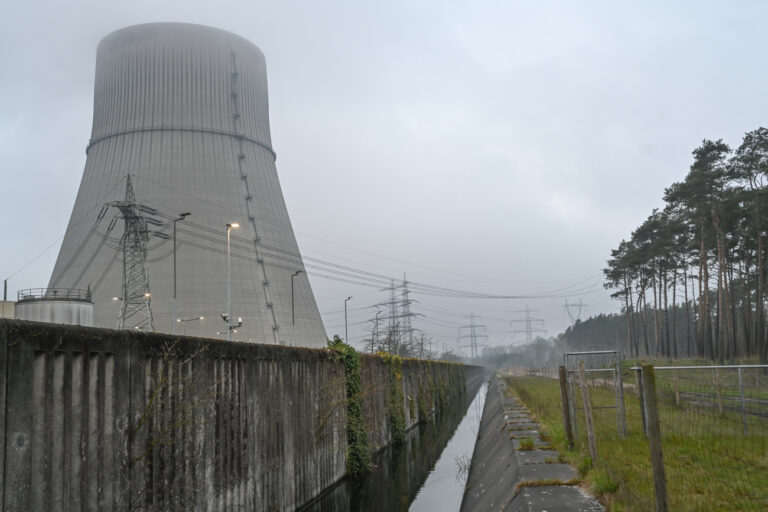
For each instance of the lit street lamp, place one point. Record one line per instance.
(293, 311)
(181, 217)
(346, 333)
(229, 297)
(184, 321)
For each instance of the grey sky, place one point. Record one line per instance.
(502, 147)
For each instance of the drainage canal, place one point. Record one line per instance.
(427, 472)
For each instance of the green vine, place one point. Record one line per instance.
(396, 413)
(358, 453)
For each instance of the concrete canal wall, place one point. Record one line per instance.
(97, 419)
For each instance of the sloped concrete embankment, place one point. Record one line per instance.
(504, 477)
(97, 419)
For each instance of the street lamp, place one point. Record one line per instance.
(184, 321)
(230, 227)
(293, 311)
(181, 217)
(376, 337)
(346, 334)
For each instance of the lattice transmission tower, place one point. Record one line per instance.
(135, 309)
(472, 334)
(575, 311)
(528, 324)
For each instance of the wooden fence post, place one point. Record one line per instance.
(654, 439)
(641, 398)
(719, 394)
(677, 388)
(588, 412)
(566, 407)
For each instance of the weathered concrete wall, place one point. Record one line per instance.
(96, 419)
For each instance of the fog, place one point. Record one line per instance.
(497, 150)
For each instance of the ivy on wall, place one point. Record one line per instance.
(358, 452)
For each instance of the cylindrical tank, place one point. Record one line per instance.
(57, 306)
(183, 109)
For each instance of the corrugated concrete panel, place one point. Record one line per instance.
(101, 419)
(184, 110)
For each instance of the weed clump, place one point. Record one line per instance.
(602, 483)
(526, 444)
(584, 465)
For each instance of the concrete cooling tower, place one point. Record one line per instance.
(181, 125)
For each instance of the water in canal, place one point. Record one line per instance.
(427, 472)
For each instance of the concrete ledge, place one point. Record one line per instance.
(502, 477)
(553, 498)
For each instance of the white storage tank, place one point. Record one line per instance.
(55, 305)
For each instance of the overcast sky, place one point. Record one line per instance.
(497, 147)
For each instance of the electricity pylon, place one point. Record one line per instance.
(135, 309)
(528, 322)
(473, 334)
(575, 310)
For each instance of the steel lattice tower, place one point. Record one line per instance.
(135, 310)
(473, 334)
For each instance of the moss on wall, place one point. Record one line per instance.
(396, 411)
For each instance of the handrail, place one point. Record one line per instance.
(53, 294)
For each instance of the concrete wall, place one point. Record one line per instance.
(97, 419)
(6, 308)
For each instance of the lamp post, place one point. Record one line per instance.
(293, 310)
(181, 217)
(376, 336)
(184, 321)
(346, 334)
(229, 297)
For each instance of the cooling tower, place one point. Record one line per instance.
(183, 110)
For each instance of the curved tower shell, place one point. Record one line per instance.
(183, 110)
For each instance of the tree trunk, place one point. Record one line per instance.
(656, 301)
(674, 312)
(633, 321)
(628, 314)
(644, 319)
(706, 321)
(723, 303)
(665, 312)
(759, 306)
(687, 311)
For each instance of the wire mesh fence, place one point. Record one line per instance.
(713, 424)
(622, 470)
(714, 433)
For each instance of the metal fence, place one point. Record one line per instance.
(713, 425)
(710, 425)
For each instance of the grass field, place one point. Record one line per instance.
(710, 465)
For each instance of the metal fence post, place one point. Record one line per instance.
(654, 439)
(743, 404)
(588, 412)
(566, 407)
